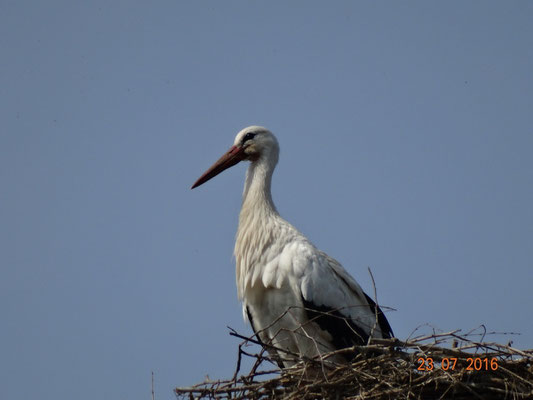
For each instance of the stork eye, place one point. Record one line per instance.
(248, 136)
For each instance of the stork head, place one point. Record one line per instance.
(253, 143)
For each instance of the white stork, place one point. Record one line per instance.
(297, 298)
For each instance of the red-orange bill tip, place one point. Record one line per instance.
(233, 156)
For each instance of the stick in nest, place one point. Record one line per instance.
(393, 372)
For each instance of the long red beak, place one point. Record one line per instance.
(233, 156)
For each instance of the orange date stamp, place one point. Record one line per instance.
(450, 363)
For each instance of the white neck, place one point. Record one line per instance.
(257, 196)
(257, 218)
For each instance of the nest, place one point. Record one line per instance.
(435, 366)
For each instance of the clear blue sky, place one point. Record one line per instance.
(406, 146)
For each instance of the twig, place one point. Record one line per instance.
(385, 369)
(153, 392)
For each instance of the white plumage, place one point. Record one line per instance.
(295, 296)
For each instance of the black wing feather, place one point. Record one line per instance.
(383, 324)
(343, 330)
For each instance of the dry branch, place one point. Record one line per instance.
(385, 369)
